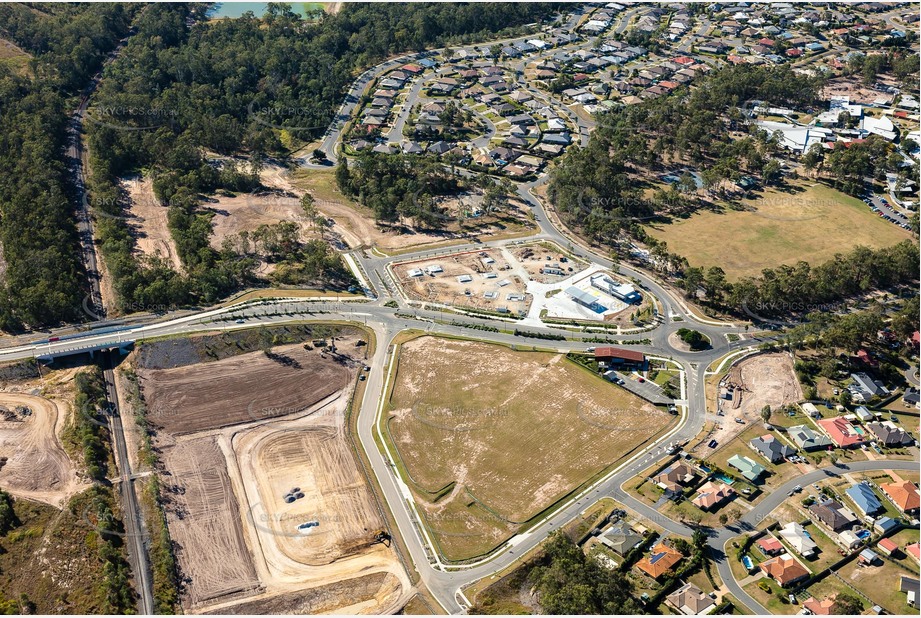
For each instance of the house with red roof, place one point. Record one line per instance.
(794, 52)
(785, 570)
(914, 550)
(841, 432)
(825, 607)
(684, 60)
(770, 545)
(887, 546)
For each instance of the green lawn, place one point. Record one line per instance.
(781, 228)
(771, 601)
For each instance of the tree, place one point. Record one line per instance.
(308, 205)
(569, 582)
(845, 397)
(848, 604)
(766, 414)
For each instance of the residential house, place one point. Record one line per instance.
(797, 537)
(914, 550)
(691, 601)
(833, 514)
(891, 435)
(770, 545)
(841, 432)
(904, 494)
(660, 562)
(621, 538)
(784, 569)
(826, 607)
(710, 495)
(863, 496)
(771, 448)
(675, 477)
(807, 439)
(749, 468)
(865, 387)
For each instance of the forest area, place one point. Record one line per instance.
(43, 276)
(204, 80)
(254, 86)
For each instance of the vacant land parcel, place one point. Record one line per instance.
(812, 223)
(487, 449)
(240, 389)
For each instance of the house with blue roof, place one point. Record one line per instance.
(864, 498)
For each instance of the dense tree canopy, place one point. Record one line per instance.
(572, 583)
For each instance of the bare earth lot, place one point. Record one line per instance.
(203, 521)
(765, 379)
(240, 388)
(313, 456)
(34, 465)
(491, 437)
(228, 466)
(148, 221)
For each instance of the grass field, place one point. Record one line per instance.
(13, 57)
(490, 437)
(811, 224)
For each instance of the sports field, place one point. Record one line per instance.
(492, 437)
(811, 224)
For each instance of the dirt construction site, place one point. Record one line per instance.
(478, 279)
(32, 462)
(748, 386)
(33, 415)
(271, 511)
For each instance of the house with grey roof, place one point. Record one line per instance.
(621, 538)
(807, 439)
(771, 448)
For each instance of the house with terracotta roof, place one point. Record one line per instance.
(887, 546)
(675, 477)
(710, 495)
(825, 607)
(784, 569)
(904, 495)
(841, 431)
(770, 545)
(914, 550)
(661, 561)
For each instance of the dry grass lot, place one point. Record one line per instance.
(491, 437)
(240, 389)
(781, 228)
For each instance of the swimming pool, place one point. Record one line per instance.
(862, 534)
(724, 478)
(747, 563)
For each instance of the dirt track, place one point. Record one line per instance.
(36, 465)
(148, 221)
(240, 389)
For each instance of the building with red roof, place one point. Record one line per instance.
(841, 431)
(887, 546)
(825, 607)
(770, 545)
(914, 550)
(904, 494)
